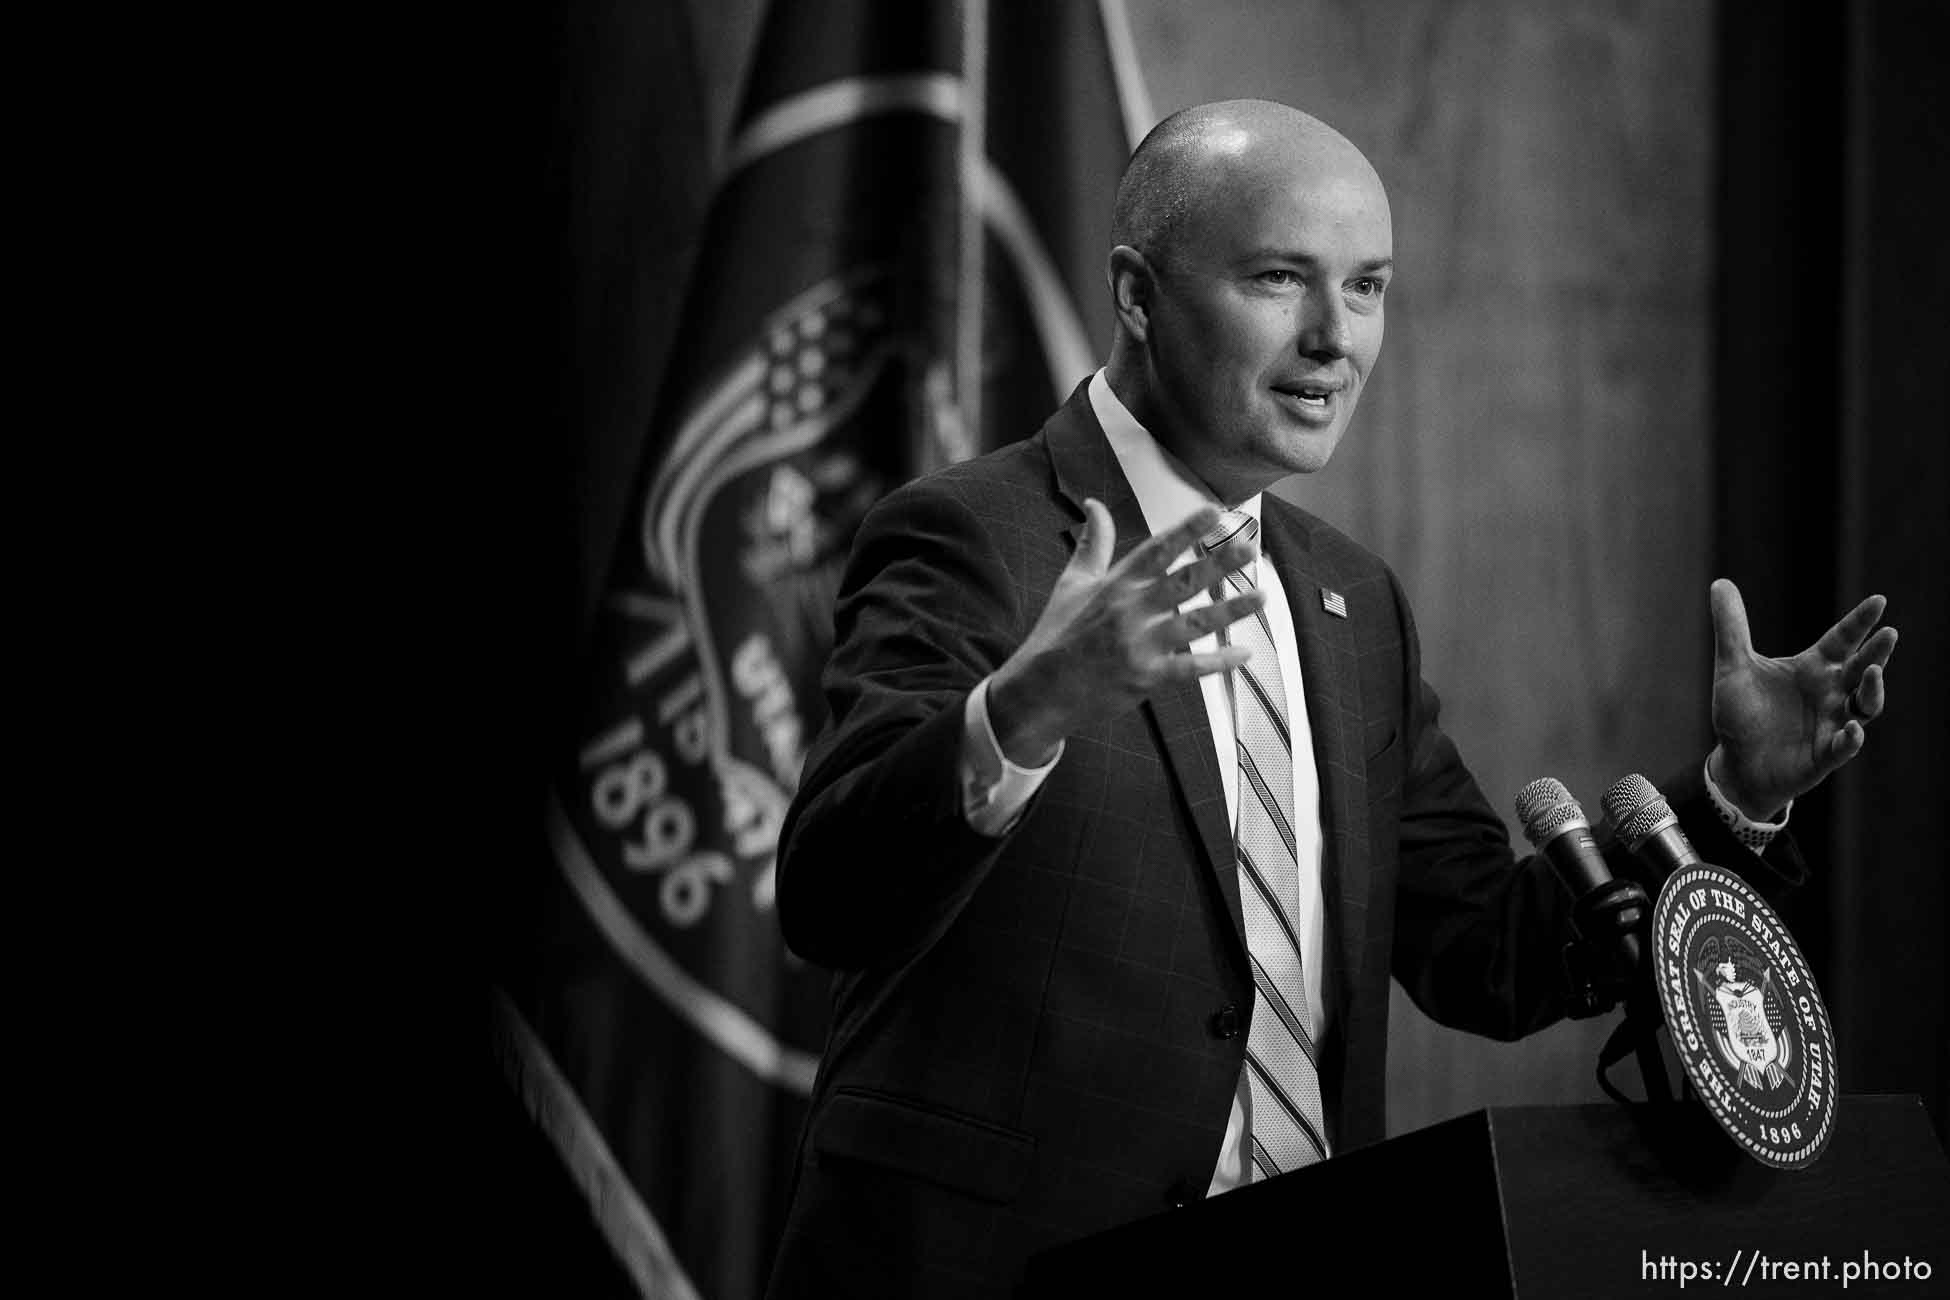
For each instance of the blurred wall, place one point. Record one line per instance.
(1532, 454)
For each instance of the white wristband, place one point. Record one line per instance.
(1756, 836)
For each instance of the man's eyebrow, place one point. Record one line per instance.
(1369, 267)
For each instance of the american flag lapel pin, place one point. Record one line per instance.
(1333, 602)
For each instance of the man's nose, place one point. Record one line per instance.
(1325, 332)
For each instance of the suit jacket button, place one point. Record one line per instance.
(1225, 1022)
(1181, 1194)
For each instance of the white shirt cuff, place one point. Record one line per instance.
(1755, 835)
(994, 791)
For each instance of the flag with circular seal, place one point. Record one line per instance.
(915, 196)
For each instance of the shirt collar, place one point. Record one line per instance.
(1163, 492)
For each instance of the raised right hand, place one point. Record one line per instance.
(1110, 635)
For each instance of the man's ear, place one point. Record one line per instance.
(1132, 282)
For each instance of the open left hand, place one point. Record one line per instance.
(1784, 724)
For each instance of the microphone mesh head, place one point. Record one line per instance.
(1545, 808)
(1637, 809)
(1539, 795)
(1627, 795)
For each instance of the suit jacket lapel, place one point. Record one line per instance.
(1330, 667)
(1086, 467)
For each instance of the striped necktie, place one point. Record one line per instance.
(1282, 1071)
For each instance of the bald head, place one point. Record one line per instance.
(1253, 249)
(1205, 155)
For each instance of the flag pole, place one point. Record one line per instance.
(1133, 99)
(974, 147)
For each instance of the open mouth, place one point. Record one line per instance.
(1316, 396)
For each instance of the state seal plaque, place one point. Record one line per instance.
(1745, 1015)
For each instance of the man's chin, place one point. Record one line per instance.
(1307, 451)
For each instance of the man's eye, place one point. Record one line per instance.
(1279, 277)
(1367, 287)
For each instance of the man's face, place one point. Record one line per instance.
(1265, 318)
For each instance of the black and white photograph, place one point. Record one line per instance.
(1164, 648)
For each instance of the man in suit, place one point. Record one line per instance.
(1133, 798)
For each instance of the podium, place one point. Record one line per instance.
(1527, 1201)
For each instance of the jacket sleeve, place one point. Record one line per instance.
(876, 856)
(1775, 874)
(1479, 930)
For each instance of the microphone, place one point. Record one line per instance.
(1555, 826)
(1645, 822)
(1606, 908)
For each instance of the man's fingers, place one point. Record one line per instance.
(1188, 627)
(1732, 642)
(1178, 586)
(1155, 554)
(1866, 698)
(1184, 667)
(1099, 538)
(1839, 641)
(1873, 653)
(1847, 744)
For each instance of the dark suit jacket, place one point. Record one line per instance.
(1038, 1036)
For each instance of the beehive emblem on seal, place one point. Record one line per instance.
(1748, 1027)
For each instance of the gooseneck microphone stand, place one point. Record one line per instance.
(1606, 965)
